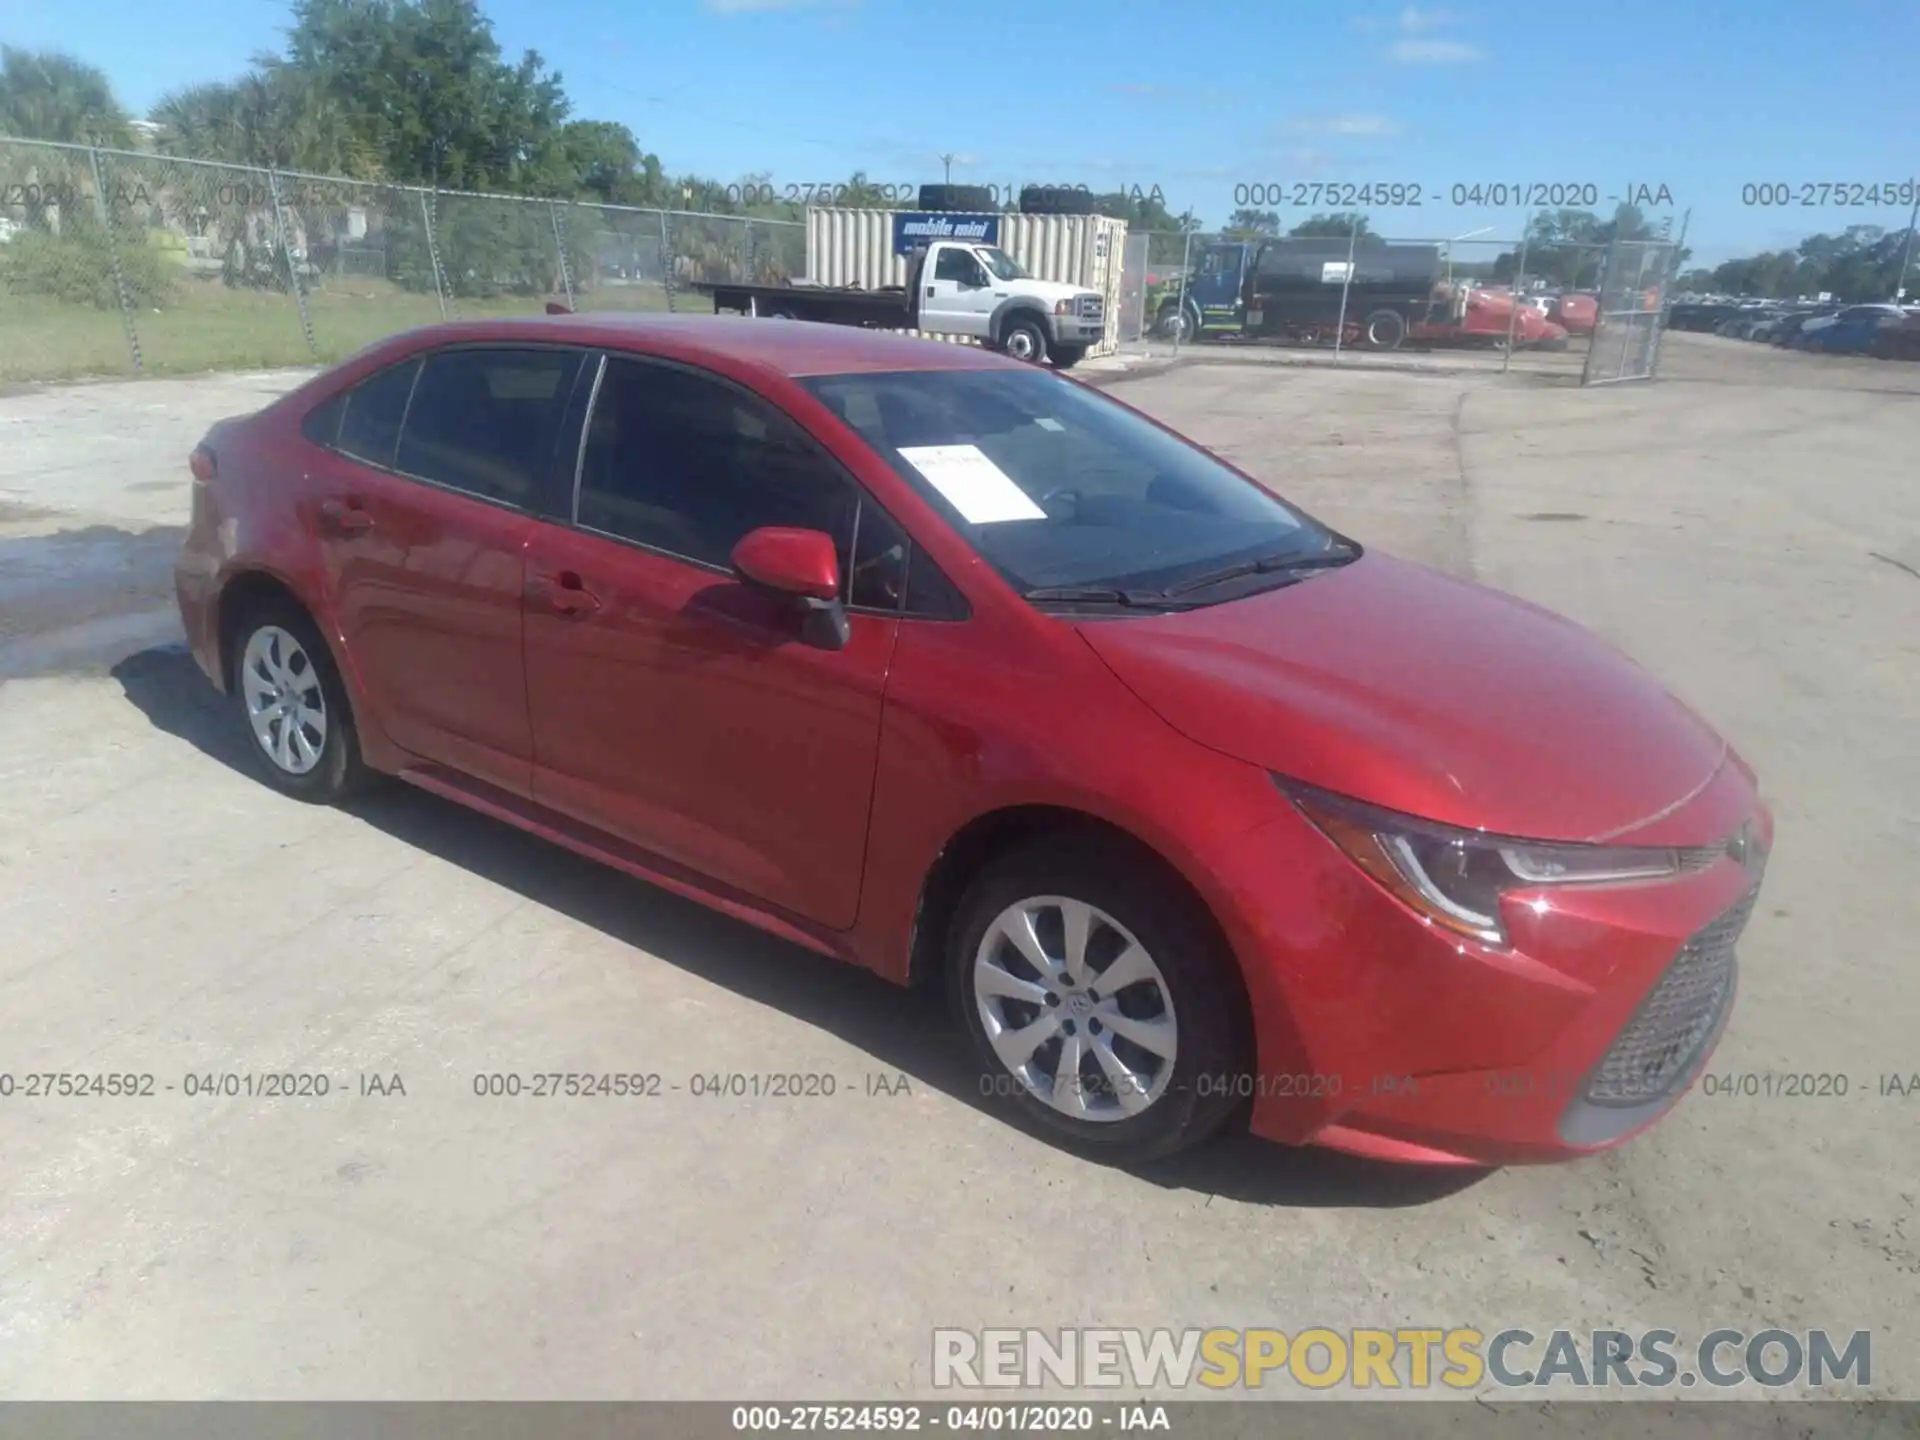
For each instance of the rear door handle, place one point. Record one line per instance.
(564, 593)
(345, 517)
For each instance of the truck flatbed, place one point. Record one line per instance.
(884, 309)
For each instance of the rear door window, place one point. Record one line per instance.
(370, 428)
(485, 420)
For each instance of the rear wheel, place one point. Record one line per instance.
(1384, 330)
(298, 719)
(1100, 1003)
(1023, 339)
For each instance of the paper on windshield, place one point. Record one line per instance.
(980, 490)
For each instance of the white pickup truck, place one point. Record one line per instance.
(953, 287)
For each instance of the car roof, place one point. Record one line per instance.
(793, 348)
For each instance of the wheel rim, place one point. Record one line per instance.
(1020, 345)
(1381, 333)
(286, 704)
(1075, 1008)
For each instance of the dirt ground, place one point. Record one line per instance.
(1748, 527)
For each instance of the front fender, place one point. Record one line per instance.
(1025, 308)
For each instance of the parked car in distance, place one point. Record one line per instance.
(1575, 312)
(1811, 333)
(1854, 330)
(953, 668)
(1897, 342)
(1786, 330)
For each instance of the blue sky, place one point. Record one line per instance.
(1197, 97)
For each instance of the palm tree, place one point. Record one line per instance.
(46, 95)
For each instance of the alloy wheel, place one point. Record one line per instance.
(1075, 1008)
(286, 704)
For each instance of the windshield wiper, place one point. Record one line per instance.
(1265, 565)
(1103, 595)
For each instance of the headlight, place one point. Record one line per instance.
(1455, 878)
(1063, 307)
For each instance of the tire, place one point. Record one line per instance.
(1178, 1100)
(1384, 330)
(1057, 200)
(1065, 357)
(972, 199)
(1023, 338)
(1175, 324)
(278, 652)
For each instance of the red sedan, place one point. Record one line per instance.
(959, 670)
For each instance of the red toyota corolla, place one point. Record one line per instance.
(961, 671)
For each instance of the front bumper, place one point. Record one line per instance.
(1073, 330)
(1382, 1036)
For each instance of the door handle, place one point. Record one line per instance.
(565, 593)
(345, 517)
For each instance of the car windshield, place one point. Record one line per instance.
(1059, 487)
(1003, 265)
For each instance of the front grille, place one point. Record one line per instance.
(1092, 307)
(1664, 1037)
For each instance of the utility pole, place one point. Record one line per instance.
(947, 161)
(1906, 252)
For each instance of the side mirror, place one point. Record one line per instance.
(801, 564)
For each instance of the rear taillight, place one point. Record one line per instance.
(201, 463)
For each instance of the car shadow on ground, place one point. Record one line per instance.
(904, 1031)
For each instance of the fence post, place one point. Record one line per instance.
(433, 254)
(293, 270)
(666, 262)
(1513, 310)
(1346, 284)
(1180, 313)
(560, 245)
(113, 260)
(746, 252)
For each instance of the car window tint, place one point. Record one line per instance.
(689, 465)
(322, 424)
(879, 577)
(930, 593)
(484, 421)
(370, 429)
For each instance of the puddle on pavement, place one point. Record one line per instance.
(74, 600)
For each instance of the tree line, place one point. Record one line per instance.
(1861, 263)
(414, 92)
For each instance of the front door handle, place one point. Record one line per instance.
(345, 517)
(564, 593)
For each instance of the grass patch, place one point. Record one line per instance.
(207, 326)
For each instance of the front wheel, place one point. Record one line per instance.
(1065, 357)
(1023, 339)
(1100, 1003)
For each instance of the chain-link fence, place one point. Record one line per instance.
(1506, 304)
(115, 262)
(1637, 277)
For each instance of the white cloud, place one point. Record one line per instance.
(1435, 52)
(1346, 125)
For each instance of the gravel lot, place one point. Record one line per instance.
(1748, 528)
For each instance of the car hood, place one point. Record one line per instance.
(1389, 682)
(1048, 290)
